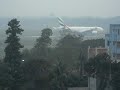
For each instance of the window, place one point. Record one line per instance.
(108, 43)
(114, 42)
(114, 54)
(118, 44)
(118, 31)
(118, 56)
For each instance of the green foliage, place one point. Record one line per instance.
(12, 50)
(115, 70)
(80, 64)
(42, 45)
(74, 80)
(59, 77)
(116, 81)
(92, 43)
(5, 77)
(68, 49)
(26, 54)
(37, 71)
(62, 78)
(40, 73)
(70, 46)
(70, 41)
(66, 73)
(106, 72)
(44, 40)
(99, 67)
(12, 53)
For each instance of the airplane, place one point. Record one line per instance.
(79, 29)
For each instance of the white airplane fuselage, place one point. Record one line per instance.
(77, 29)
(84, 29)
(63, 26)
(81, 29)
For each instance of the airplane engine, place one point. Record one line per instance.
(94, 32)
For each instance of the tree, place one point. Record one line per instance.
(81, 63)
(12, 52)
(36, 73)
(115, 71)
(44, 40)
(43, 43)
(92, 43)
(26, 55)
(116, 81)
(74, 80)
(5, 77)
(99, 67)
(68, 49)
(59, 77)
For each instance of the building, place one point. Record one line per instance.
(92, 52)
(112, 42)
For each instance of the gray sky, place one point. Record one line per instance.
(71, 8)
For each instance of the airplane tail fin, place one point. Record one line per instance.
(61, 22)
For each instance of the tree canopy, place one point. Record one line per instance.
(99, 67)
(13, 56)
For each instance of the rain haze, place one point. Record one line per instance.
(71, 8)
(59, 45)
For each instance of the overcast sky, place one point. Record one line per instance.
(71, 8)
